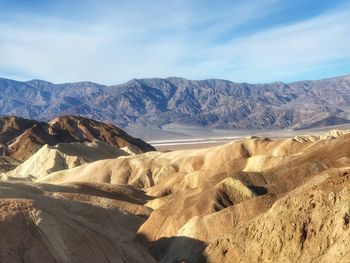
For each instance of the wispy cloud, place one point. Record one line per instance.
(284, 52)
(123, 40)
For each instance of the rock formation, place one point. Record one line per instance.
(49, 159)
(21, 138)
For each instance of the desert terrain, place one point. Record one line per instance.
(174, 131)
(194, 137)
(96, 194)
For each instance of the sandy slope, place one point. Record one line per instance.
(309, 224)
(251, 200)
(63, 156)
(76, 223)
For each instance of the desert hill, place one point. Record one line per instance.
(49, 159)
(251, 200)
(73, 223)
(21, 138)
(309, 224)
(209, 103)
(193, 187)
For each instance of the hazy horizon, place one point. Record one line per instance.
(120, 83)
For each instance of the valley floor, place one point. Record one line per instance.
(197, 138)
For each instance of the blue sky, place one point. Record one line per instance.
(111, 42)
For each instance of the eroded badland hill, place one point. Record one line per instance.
(96, 195)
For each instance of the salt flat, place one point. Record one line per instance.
(195, 138)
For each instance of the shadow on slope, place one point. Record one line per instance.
(37, 227)
(175, 249)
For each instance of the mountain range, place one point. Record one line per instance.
(156, 102)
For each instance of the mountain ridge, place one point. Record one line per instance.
(21, 138)
(155, 102)
(345, 76)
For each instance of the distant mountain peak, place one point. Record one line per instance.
(155, 102)
(176, 78)
(38, 81)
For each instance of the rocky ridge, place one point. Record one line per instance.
(21, 138)
(209, 103)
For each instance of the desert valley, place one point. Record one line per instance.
(78, 190)
(174, 131)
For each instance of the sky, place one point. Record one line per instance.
(111, 42)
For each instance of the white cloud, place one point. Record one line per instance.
(282, 52)
(144, 40)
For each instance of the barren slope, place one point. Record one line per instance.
(75, 223)
(63, 156)
(251, 200)
(21, 138)
(201, 194)
(309, 224)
